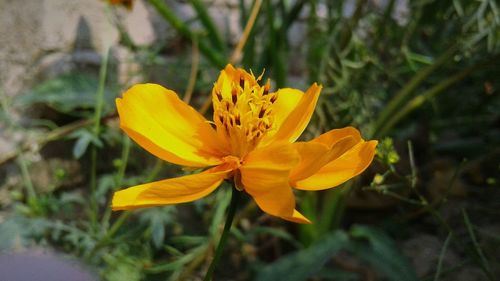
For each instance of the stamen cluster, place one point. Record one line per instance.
(242, 111)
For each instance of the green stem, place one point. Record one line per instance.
(4, 105)
(119, 177)
(441, 256)
(123, 161)
(210, 53)
(396, 102)
(118, 223)
(96, 130)
(107, 237)
(30, 189)
(225, 233)
(213, 35)
(483, 262)
(334, 207)
(417, 101)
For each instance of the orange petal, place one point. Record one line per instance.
(298, 218)
(315, 155)
(311, 159)
(161, 123)
(169, 191)
(287, 101)
(333, 136)
(264, 175)
(296, 121)
(348, 165)
(323, 149)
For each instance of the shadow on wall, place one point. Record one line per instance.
(82, 58)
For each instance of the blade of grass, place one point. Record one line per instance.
(382, 26)
(353, 24)
(334, 204)
(236, 56)
(4, 104)
(249, 49)
(441, 256)
(396, 102)
(482, 258)
(308, 233)
(241, 44)
(195, 63)
(417, 101)
(293, 14)
(213, 35)
(275, 54)
(28, 184)
(214, 57)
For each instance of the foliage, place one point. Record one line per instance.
(425, 84)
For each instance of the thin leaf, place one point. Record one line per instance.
(377, 249)
(304, 264)
(81, 146)
(441, 257)
(213, 35)
(485, 265)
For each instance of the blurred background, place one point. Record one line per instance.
(421, 76)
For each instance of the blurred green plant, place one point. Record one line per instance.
(382, 72)
(367, 243)
(69, 94)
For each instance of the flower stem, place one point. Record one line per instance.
(225, 233)
(94, 208)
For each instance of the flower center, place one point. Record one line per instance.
(242, 110)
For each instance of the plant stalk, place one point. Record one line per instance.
(96, 130)
(215, 58)
(396, 102)
(225, 233)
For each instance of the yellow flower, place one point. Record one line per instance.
(251, 141)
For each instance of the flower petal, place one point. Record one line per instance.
(287, 101)
(323, 149)
(315, 155)
(311, 159)
(170, 191)
(296, 121)
(161, 123)
(350, 164)
(264, 175)
(333, 136)
(298, 218)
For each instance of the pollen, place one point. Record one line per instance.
(243, 110)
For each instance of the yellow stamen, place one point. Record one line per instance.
(242, 110)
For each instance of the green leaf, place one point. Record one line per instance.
(186, 241)
(208, 22)
(157, 219)
(121, 266)
(274, 232)
(380, 251)
(84, 138)
(67, 93)
(222, 201)
(304, 264)
(81, 146)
